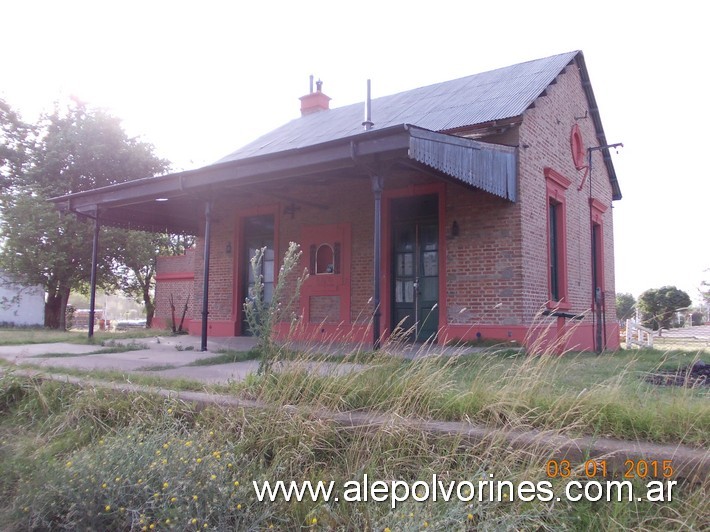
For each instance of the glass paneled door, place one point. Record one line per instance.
(415, 295)
(258, 233)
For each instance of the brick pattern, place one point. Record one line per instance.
(176, 278)
(324, 309)
(545, 142)
(484, 278)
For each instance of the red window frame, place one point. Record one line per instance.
(556, 186)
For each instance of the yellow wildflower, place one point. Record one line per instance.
(108, 508)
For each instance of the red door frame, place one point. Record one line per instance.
(386, 273)
(240, 259)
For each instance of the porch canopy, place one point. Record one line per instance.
(182, 202)
(174, 202)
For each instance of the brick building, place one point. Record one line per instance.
(478, 208)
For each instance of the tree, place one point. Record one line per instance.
(136, 266)
(75, 150)
(625, 306)
(658, 305)
(16, 139)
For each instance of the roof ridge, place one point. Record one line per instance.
(496, 94)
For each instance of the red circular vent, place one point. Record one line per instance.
(577, 145)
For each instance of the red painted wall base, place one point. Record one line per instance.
(555, 336)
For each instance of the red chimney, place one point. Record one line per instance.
(315, 101)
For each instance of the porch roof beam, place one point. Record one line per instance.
(485, 166)
(333, 155)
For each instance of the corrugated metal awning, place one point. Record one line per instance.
(490, 167)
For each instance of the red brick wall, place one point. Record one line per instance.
(545, 142)
(175, 277)
(484, 280)
(496, 280)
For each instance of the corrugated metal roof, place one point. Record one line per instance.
(495, 95)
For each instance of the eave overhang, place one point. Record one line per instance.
(134, 204)
(596, 119)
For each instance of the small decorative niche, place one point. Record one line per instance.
(325, 259)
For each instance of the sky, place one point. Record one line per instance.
(200, 79)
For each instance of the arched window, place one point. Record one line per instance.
(325, 259)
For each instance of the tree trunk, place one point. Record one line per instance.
(52, 311)
(63, 300)
(149, 306)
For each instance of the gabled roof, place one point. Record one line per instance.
(495, 95)
(412, 126)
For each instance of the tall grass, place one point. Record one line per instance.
(83, 459)
(573, 394)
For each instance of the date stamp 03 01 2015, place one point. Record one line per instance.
(633, 469)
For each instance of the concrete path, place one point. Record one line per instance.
(168, 357)
(173, 354)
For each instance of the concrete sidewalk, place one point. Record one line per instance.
(161, 356)
(169, 357)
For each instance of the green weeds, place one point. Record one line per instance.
(86, 459)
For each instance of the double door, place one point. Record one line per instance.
(416, 278)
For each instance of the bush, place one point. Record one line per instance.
(263, 316)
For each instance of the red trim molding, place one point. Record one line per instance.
(598, 209)
(557, 185)
(240, 261)
(438, 189)
(175, 276)
(557, 178)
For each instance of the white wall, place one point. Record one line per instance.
(20, 304)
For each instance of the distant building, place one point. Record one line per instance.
(20, 304)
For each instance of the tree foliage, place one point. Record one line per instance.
(659, 305)
(625, 306)
(72, 150)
